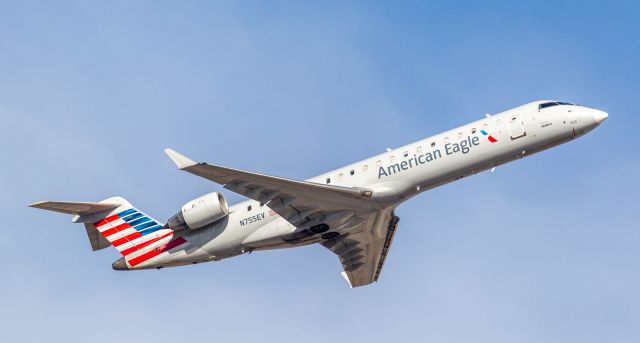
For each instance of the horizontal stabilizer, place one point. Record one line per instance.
(76, 208)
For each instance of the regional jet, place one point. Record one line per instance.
(349, 211)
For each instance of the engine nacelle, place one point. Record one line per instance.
(200, 212)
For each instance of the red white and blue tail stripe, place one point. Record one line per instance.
(137, 236)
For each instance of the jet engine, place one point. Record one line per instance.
(200, 212)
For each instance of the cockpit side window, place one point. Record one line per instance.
(550, 104)
(547, 104)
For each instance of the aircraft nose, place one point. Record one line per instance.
(600, 116)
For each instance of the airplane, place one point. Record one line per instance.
(349, 211)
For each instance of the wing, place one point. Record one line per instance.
(363, 253)
(366, 230)
(302, 203)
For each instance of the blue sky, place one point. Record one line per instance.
(543, 250)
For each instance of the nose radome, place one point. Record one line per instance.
(600, 116)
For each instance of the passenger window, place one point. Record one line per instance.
(459, 135)
(365, 167)
(433, 144)
(405, 154)
(485, 127)
(328, 180)
(249, 208)
(419, 149)
(473, 130)
(352, 172)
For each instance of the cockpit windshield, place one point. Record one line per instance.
(553, 103)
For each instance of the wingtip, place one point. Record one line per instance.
(37, 204)
(180, 160)
(346, 278)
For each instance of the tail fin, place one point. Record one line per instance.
(116, 222)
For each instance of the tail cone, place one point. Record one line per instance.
(120, 264)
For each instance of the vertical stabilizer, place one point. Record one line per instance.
(115, 222)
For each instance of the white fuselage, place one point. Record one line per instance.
(400, 174)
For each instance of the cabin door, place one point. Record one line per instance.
(516, 126)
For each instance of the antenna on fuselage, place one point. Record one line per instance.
(487, 115)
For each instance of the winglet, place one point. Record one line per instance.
(346, 278)
(180, 160)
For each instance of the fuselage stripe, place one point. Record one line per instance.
(151, 230)
(123, 233)
(144, 244)
(114, 230)
(126, 212)
(141, 227)
(106, 220)
(132, 217)
(155, 252)
(126, 239)
(139, 221)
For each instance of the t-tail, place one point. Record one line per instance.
(115, 222)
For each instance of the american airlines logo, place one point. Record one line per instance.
(489, 137)
(417, 160)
